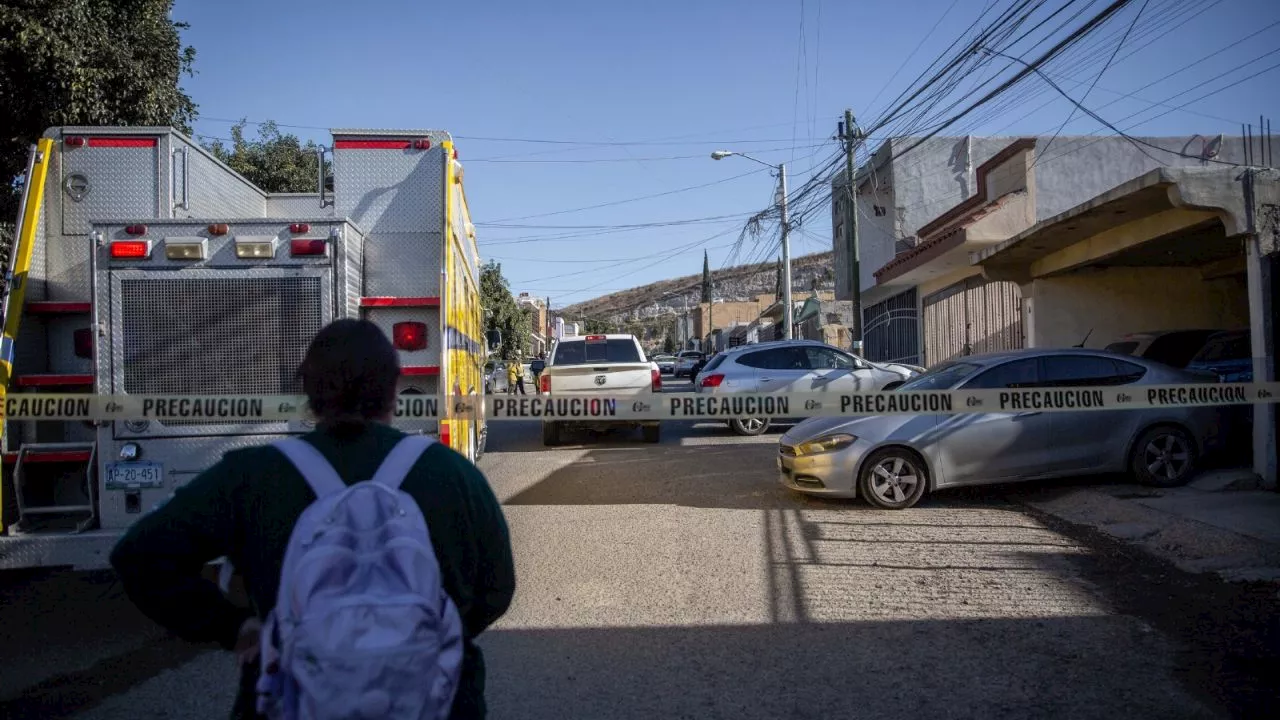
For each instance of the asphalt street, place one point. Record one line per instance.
(681, 581)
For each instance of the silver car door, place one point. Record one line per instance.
(977, 448)
(784, 370)
(1088, 440)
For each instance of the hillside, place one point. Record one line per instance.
(668, 297)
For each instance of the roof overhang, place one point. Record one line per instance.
(1142, 203)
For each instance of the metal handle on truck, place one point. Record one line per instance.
(186, 178)
(324, 203)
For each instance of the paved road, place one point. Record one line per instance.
(681, 581)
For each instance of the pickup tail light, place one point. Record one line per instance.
(444, 433)
(656, 378)
(544, 383)
(712, 381)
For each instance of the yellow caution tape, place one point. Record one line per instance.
(646, 406)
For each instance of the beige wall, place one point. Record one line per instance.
(1060, 311)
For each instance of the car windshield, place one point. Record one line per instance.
(943, 377)
(1224, 348)
(582, 352)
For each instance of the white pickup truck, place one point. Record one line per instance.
(599, 365)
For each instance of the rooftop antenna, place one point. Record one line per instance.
(1086, 338)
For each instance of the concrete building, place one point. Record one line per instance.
(695, 326)
(901, 193)
(1175, 248)
(540, 328)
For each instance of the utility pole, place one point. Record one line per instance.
(786, 255)
(849, 134)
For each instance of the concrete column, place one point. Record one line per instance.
(1258, 269)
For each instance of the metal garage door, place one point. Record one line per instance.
(972, 316)
(891, 330)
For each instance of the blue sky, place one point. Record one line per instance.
(637, 94)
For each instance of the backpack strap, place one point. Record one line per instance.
(401, 460)
(317, 471)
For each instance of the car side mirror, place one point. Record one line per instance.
(493, 338)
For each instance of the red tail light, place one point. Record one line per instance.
(131, 249)
(308, 246)
(712, 380)
(74, 141)
(422, 144)
(83, 339)
(596, 338)
(444, 432)
(218, 229)
(136, 230)
(656, 375)
(299, 228)
(409, 335)
(545, 382)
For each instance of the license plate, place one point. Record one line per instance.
(134, 475)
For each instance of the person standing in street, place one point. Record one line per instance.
(536, 367)
(515, 376)
(245, 509)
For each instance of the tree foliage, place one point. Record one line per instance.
(276, 162)
(86, 62)
(706, 278)
(501, 312)
(668, 344)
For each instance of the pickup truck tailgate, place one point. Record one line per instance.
(604, 379)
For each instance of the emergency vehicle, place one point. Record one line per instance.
(142, 265)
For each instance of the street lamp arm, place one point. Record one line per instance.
(721, 154)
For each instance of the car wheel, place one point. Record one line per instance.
(893, 479)
(749, 426)
(550, 434)
(652, 433)
(1164, 456)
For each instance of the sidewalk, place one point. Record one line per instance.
(1207, 526)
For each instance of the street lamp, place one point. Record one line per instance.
(786, 234)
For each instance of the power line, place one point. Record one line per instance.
(1096, 78)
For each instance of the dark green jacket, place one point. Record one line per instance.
(244, 508)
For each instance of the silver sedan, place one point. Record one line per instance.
(893, 460)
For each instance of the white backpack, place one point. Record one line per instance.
(362, 626)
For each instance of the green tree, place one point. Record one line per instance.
(668, 344)
(86, 62)
(276, 162)
(501, 312)
(706, 278)
(596, 326)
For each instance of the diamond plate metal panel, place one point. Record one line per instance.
(386, 318)
(183, 458)
(390, 191)
(403, 264)
(221, 248)
(86, 551)
(216, 190)
(67, 267)
(435, 136)
(283, 205)
(349, 284)
(122, 182)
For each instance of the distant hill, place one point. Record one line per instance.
(669, 297)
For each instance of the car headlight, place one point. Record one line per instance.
(825, 444)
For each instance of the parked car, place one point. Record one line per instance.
(893, 460)
(1174, 348)
(789, 366)
(1227, 355)
(685, 362)
(599, 365)
(666, 363)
